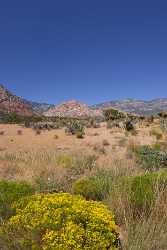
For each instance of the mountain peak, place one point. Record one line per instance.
(73, 109)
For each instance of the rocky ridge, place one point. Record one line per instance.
(12, 103)
(73, 109)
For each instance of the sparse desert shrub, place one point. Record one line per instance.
(48, 185)
(162, 114)
(19, 132)
(95, 187)
(99, 149)
(80, 134)
(2, 132)
(56, 137)
(150, 158)
(163, 124)
(132, 147)
(133, 132)
(156, 146)
(129, 126)
(81, 164)
(150, 119)
(105, 142)
(74, 127)
(60, 221)
(122, 142)
(9, 192)
(113, 114)
(74, 169)
(38, 132)
(96, 125)
(109, 124)
(14, 118)
(27, 124)
(157, 133)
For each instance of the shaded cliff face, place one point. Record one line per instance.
(38, 107)
(72, 109)
(135, 106)
(12, 103)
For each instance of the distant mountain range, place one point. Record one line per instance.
(12, 103)
(140, 107)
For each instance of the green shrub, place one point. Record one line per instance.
(105, 142)
(151, 158)
(163, 124)
(75, 127)
(13, 118)
(80, 134)
(60, 221)
(96, 187)
(141, 191)
(11, 192)
(129, 126)
(113, 114)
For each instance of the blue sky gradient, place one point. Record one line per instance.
(90, 50)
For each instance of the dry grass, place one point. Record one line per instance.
(54, 162)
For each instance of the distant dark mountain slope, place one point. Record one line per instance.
(136, 106)
(38, 107)
(12, 103)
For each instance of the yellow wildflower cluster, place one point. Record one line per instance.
(62, 221)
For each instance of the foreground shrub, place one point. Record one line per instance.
(60, 221)
(137, 194)
(10, 192)
(95, 187)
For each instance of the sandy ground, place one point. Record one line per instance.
(29, 141)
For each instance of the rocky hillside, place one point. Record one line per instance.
(72, 109)
(38, 107)
(12, 103)
(135, 106)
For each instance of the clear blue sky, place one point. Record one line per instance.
(89, 50)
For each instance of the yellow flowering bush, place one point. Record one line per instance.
(60, 221)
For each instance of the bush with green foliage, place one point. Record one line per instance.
(10, 192)
(95, 187)
(142, 191)
(113, 114)
(163, 124)
(75, 127)
(60, 221)
(13, 118)
(80, 134)
(129, 126)
(151, 158)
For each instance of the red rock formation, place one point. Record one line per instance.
(72, 109)
(11, 103)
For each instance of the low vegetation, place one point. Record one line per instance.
(107, 191)
(59, 221)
